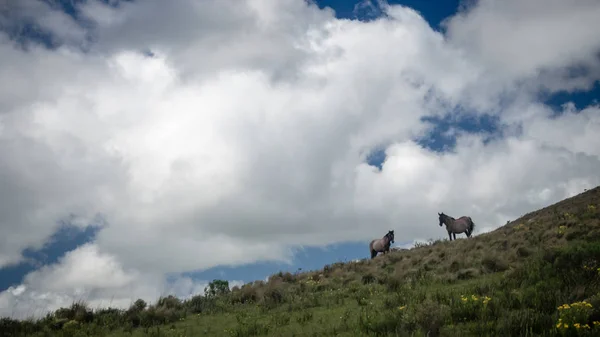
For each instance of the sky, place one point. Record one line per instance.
(150, 147)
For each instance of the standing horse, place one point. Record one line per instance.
(381, 245)
(464, 224)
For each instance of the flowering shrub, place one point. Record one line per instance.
(561, 230)
(591, 212)
(519, 226)
(366, 294)
(474, 299)
(591, 267)
(310, 282)
(470, 308)
(573, 319)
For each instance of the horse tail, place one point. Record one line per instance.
(471, 226)
(371, 250)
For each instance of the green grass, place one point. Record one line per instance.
(509, 282)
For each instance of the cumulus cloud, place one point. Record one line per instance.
(86, 274)
(246, 133)
(551, 43)
(368, 9)
(41, 17)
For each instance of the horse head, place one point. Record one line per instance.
(441, 217)
(390, 236)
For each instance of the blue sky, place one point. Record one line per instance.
(434, 11)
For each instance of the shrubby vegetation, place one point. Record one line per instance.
(536, 276)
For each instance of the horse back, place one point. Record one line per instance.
(465, 219)
(377, 244)
(461, 223)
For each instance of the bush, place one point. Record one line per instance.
(368, 278)
(286, 277)
(139, 305)
(109, 318)
(468, 308)
(159, 315)
(248, 294)
(304, 317)
(431, 316)
(11, 327)
(493, 264)
(197, 304)
(523, 322)
(281, 319)
(380, 322)
(78, 311)
(169, 302)
(523, 251)
(273, 295)
(248, 325)
(466, 274)
(217, 288)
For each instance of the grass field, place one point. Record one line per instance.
(538, 275)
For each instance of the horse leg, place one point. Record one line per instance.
(373, 254)
(454, 234)
(450, 235)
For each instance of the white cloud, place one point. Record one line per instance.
(368, 9)
(574, 131)
(94, 277)
(246, 135)
(43, 18)
(533, 40)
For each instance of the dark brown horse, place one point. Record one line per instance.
(381, 245)
(464, 224)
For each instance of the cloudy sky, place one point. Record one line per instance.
(150, 146)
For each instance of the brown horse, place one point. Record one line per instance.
(381, 245)
(464, 224)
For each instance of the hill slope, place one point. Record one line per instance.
(508, 282)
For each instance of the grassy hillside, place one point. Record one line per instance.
(537, 275)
